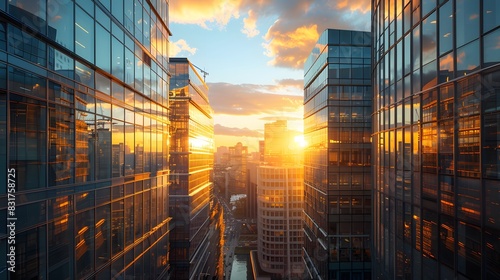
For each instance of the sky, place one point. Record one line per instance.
(254, 52)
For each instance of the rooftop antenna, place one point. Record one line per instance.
(205, 73)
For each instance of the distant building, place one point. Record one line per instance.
(436, 139)
(337, 171)
(191, 164)
(280, 204)
(237, 160)
(221, 155)
(252, 167)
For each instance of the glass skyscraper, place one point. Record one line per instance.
(436, 139)
(191, 165)
(337, 161)
(84, 125)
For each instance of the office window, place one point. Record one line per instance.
(491, 15)
(28, 141)
(468, 58)
(103, 43)
(467, 21)
(429, 39)
(102, 235)
(491, 52)
(24, 45)
(61, 145)
(84, 35)
(445, 28)
(84, 243)
(61, 23)
(30, 249)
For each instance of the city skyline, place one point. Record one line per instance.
(254, 54)
(355, 139)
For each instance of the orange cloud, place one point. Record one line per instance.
(250, 25)
(291, 83)
(291, 37)
(248, 99)
(289, 49)
(204, 12)
(363, 6)
(179, 46)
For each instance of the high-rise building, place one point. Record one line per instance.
(337, 159)
(436, 125)
(237, 160)
(83, 89)
(279, 219)
(191, 164)
(252, 167)
(279, 205)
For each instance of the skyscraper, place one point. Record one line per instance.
(83, 90)
(436, 158)
(280, 200)
(237, 160)
(191, 164)
(337, 172)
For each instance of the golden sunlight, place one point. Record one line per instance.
(301, 142)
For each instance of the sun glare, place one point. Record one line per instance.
(299, 139)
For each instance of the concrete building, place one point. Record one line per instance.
(280, 204)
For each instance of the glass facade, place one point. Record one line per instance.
(436, 177)
(337, 161)
(191, 164)
(84, 123)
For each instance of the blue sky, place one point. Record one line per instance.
(254, 53)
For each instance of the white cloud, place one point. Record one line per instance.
(250, 25)
(180, 46)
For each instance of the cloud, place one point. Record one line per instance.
(249, 99)
(272, 118)
(289, 49)
(204, 13)
(179, 46)
(234, 131)
(297, 23)
(291, 83)
(289, 42)
(362, 6)
(250, 25)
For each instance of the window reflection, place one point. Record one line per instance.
(61, 146)
(28, 140)
(24, 45)
(429, 42)
(103, 42)
(118, 148)
(491, 48)
(117, 227)
(61, 23)
(468, 58)
(102, 136)
(84, 243)
(30, 12)
(446, 67)
(467, 21)
(446, 27)
(84, 74)
(491, 15)
(84, 35)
